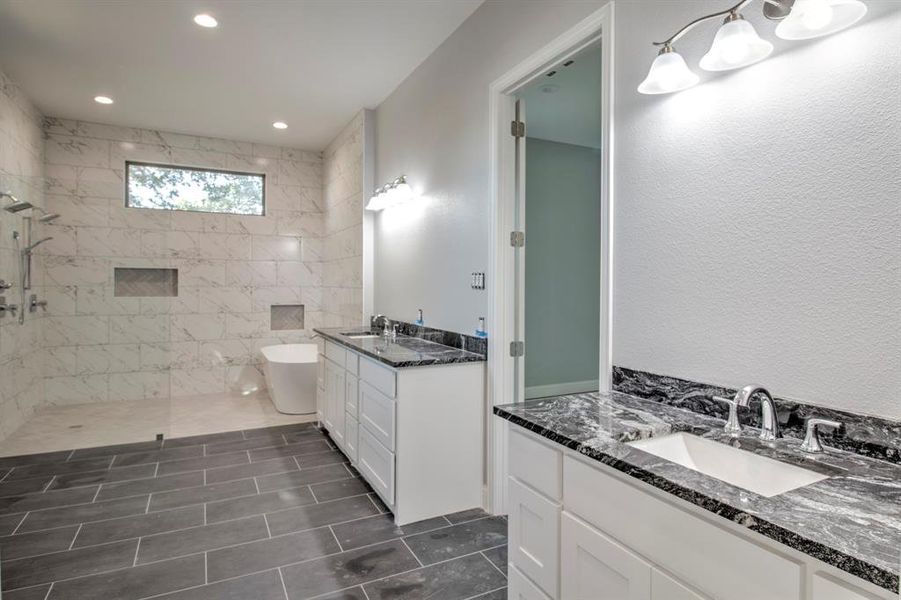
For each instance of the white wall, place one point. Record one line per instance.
(434, 129)
(757, 216)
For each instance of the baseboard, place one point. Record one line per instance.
(560, 389)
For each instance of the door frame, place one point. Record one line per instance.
(598, 25)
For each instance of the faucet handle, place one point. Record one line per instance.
(811, 441)
(732, 427)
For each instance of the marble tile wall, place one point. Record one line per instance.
(342, 239)
(231, 269)
(21, 168)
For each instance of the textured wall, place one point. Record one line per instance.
(434, 129)
(231, 268)
(21, 167)
(758, 221)
(342, 235)
(757, 216)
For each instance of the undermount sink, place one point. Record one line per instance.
(365, 335)
(755, 473)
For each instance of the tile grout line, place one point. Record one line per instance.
(206, 568)
(134, 563)
(313, 493)
(204, 513)
(49, 589)
(482, 594)
(49, 484)
(97, 493)
(74, 537)
(407, 546)
(337, 541)
(147, 508)
(482, 552)
(266, 521)
(284, 587)
(25, 516)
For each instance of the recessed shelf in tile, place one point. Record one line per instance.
(145, 282)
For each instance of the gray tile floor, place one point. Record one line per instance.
(262, 514)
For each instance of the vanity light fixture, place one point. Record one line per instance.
(205, 20)
(737, 44)
(390, 194)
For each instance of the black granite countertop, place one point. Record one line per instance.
(852, 520)
(404, 351)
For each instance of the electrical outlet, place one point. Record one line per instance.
(478, 281)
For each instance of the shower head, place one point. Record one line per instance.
(16, 204)
(48, 218)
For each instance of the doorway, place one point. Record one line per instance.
(560, 281)
(509, 143)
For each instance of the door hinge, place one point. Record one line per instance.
(517, 129)
(517, 239)
(517, 349)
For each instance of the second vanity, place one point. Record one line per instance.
(595, 513)
(408, 413)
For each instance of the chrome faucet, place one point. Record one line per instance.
(384, 324)
(769, 423)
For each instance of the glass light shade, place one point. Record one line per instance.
(377, 202)
(816, 18)
(736, 45)
(668, 73)
(402, 192)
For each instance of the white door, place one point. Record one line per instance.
(593, 567)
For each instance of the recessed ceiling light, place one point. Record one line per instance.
(205, 20)
(280, 125)
(103, 100)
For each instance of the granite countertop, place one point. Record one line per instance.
(405, 351)
(851, 520)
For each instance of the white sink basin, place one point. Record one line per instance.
(741, 468)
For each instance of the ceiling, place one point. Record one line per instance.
(566, 106)
(309, 63)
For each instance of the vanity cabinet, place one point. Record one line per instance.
(580, 530)
(414, 434)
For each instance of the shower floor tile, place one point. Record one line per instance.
(320, 533)
(137, 423)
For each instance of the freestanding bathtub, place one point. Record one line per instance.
(291, 377)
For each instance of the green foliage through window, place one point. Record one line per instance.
(204, 190)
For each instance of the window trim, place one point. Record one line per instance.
(139, 163)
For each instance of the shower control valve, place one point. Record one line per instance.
(4, 285)
(34, 303)
(4, 307)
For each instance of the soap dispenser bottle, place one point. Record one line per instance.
(480, 329)
(419, 320)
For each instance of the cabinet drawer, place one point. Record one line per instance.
(666, 588)
(351, 395)
(520, 588)
(335, 353)
(381, 378)
(377, 414)
(828, 588)
(534, 536)
(680, 542)
(351, 438)
(376, 464)
(536, 464)
(596, 567)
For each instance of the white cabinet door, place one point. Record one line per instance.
(376, 464)
(520, 588)
(351, 398)
(334, 391)
(351, 438)
(534, 536)
(328, 392)
(594, 567)
(664, 587)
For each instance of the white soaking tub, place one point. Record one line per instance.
(291, 377)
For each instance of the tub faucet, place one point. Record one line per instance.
(769, 423)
